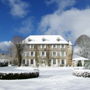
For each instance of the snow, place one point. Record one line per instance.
(50, 79)
(48, 39)
(81, 72)
(77, 58)
(17, 70)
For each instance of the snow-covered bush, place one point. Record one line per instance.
(3, 64)
(25, 75)
(82, 73)
(14, 72)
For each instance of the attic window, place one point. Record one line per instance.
(43, 39)
(29, 39)
(58, 39)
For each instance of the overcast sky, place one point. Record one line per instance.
(69, 18)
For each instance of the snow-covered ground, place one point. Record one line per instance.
(17, 69)
(50, 79)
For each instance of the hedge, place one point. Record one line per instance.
(10, 76)
(80, 73)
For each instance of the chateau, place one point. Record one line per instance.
(47, 50)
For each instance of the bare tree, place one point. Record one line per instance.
(17, 49)
(83, 43)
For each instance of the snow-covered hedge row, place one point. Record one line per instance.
(82, 73)
(19, 75)
(3, 64)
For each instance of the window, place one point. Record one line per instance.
(43, 46)
(23, 61)
(62, 53)
(32, 53)
(62, 61)
(54, 53)
(54, 46)
(31, 46)
(54, 61)
(26, 54)
(43, 39)
(43, 53)
(29, 39)
(58, 39)
(63, 46)
(60, 46)
(31, 61)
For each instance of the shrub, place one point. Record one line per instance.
(3, 64)
(9, 76)
(82, 73)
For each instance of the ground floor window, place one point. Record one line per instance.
(31, 61)
(23, 61)
(54, 61)
(62, 62)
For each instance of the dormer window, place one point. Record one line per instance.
(58, 39)
(43, 39)
(29, 39)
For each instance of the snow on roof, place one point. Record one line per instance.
(46, 39)
(77, 58)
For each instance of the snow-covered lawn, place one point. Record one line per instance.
(50, 79)
(17, 69)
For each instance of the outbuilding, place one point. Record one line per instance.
(79, 61)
